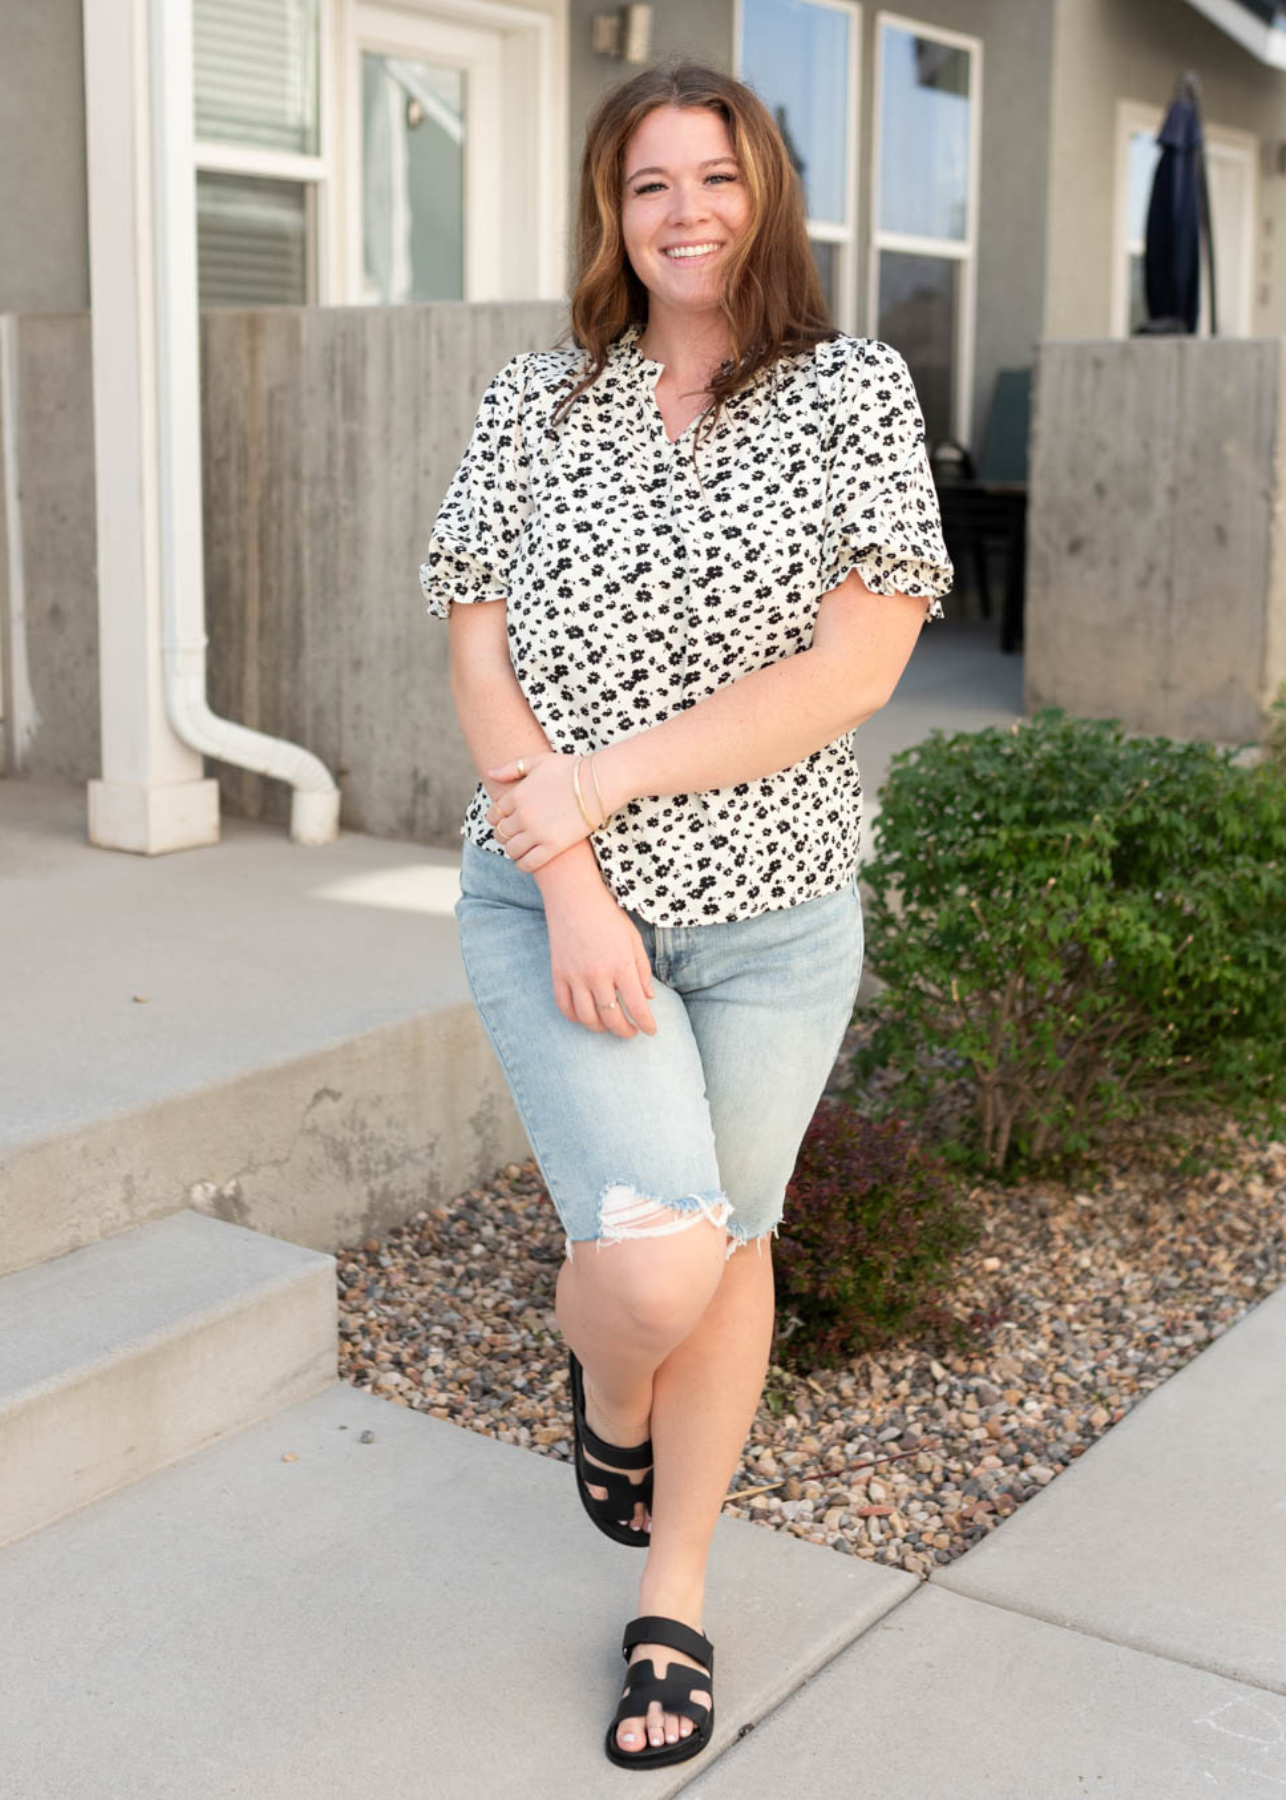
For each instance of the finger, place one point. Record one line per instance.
(586, 1011)
(517, 844)
(615, 1018)
(634, 995)
(506, 772)
(563, 998)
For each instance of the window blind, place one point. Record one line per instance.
(255, 73)
(251, 241)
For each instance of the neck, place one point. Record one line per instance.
(690, 345)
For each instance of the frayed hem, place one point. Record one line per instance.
(625, 1214)
(738, 1240)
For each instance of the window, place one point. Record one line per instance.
(800, 56)
(1230, 178)
(925, 187)
(257, 87)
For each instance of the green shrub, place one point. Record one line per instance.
(1082, 927)
(866, 1243)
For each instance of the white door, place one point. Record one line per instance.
(1230, 177)
(425, 134)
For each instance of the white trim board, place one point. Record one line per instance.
(1267, 42)
(963, 249)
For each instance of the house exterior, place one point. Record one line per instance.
(976, 174)
(977, 170)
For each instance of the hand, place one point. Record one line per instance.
(596, 954)
(538, 818)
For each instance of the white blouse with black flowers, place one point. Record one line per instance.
(640, 578)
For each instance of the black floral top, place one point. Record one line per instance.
(640, 577)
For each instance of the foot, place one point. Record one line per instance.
(627, 1432)
(659, 1727)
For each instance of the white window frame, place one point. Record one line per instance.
(315, 173)
(535, 53)
(965, 250)
(1221, 140)
(826, 231)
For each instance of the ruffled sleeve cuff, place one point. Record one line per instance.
(479, 524)
(882, 509)
(449, 574)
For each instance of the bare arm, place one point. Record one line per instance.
(600, 971)
(496, 721)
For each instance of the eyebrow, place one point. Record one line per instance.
(707, 164)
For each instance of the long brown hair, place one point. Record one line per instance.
(772, 298)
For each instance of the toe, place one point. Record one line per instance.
(671, 1728)
(655, 1723)
(631, 1735)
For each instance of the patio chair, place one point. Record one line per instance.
(985, 504)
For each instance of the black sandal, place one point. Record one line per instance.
(673, 1690)
(622, 1493)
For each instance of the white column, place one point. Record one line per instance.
(152, 796)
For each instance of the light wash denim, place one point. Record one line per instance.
(706, 1118)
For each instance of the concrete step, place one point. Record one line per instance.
(278, 1037)
(429, 1614)
(119, 1358)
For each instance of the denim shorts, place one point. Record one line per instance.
(705, 1118)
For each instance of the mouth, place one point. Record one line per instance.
(691, 252)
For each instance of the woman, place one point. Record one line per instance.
(689, 553)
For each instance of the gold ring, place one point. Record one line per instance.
(521, 770)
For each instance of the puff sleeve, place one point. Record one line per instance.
(480, 520)
(882, 515)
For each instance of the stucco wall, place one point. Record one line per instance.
(1110, 50)
(44, 231)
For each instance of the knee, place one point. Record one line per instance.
(659, 1262)
(657, 1303)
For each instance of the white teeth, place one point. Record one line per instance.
(692, 250)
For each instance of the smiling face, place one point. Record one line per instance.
(684, 205)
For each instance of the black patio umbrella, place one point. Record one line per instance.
(1178, 220)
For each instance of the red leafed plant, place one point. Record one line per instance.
(872, 1223)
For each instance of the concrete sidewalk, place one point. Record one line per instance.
(431, 1614)
(1122, 1635)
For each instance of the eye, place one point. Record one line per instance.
(646, 188)
(721, 177)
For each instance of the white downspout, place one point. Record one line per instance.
(314, 810)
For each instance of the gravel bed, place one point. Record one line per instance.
(1088, 1302)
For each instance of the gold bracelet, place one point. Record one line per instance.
(598, 791)
(576, 786)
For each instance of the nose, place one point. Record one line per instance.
(689, 202)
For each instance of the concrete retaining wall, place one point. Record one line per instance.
(1156, 537)
(329, 437)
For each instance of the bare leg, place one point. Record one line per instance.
(623, 1308)
(704, 1399)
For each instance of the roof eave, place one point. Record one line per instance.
(1264, 41)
